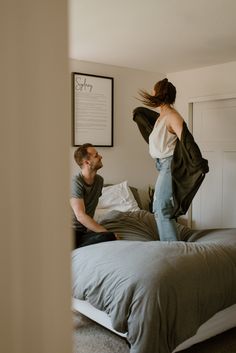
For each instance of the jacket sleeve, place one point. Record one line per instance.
(193, 151)
(145, 119)
(188, 172)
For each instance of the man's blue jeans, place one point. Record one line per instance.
(163, 201)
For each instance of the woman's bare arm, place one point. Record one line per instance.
(175, 124)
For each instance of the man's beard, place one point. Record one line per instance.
(96, 167)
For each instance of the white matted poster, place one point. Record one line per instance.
(92, 109)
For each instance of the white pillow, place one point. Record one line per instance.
(117, 197)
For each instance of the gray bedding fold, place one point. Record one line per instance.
(158, 292)
(138, 225)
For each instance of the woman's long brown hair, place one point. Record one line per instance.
(165, 93)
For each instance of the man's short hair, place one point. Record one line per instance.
(81, 153)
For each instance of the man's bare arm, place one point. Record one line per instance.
(79, 211)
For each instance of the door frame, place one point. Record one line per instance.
(191, 101)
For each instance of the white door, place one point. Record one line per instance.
(214, 130)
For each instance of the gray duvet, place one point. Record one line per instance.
(157, 292)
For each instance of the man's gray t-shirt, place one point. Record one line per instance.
(89, 193)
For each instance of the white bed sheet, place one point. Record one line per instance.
(220, 322)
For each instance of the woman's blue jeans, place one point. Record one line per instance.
(163, 201)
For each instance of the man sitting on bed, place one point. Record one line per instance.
(86, 190)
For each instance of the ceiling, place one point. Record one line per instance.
(153, 35)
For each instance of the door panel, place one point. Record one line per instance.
(229, 195)
(214, 129)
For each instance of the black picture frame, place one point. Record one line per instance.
(92, 109)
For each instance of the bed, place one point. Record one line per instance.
(161, 297)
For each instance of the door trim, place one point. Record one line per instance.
(211, 98)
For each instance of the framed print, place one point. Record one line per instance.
(92, 101)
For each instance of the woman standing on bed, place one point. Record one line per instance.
(178, 158)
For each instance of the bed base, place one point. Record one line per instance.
(220, 322)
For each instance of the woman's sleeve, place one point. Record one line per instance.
(145, 119)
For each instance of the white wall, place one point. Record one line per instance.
(34, 212)
(212, 81)
(129, 158)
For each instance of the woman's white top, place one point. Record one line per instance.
(161, 141)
